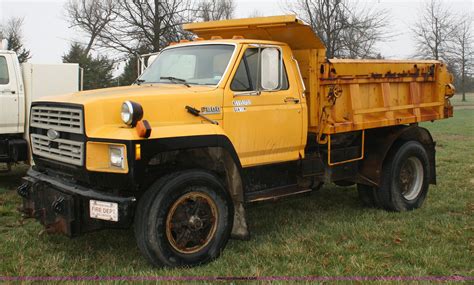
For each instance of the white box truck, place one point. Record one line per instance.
(19, 86)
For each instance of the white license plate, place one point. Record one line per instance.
(103, 210)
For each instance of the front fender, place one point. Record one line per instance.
(168, 138)
(124, 133)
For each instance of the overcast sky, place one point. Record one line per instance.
(47, 35)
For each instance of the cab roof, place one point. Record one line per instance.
(225, 41)
(287, 29)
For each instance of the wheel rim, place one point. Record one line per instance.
(411, 178)
(191, 222)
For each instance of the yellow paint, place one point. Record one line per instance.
(287, 29)
(98, 158)
(371, 101)
(271, 130)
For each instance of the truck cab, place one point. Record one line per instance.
(19, 86)
(248, 111)
(11, 90)
(12, 145)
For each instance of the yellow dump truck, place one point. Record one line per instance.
(250, 110)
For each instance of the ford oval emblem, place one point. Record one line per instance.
(52, 134)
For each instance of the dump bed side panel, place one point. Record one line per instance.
(363, 94)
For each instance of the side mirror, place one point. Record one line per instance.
(270, 69)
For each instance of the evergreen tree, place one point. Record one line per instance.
(130, 72)
(97, 70)
(76, 54)
(14, 39)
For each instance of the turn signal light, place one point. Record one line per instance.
(143, 129)
(138, 151)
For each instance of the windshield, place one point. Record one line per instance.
(191, 65)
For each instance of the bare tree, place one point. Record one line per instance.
(255, 14)
(90, 16)
(1, 36)
(213, 10)
(365, 29)
(461, 51)
(13, 33)
(347, 28)
(146, 24)
(433, 30)
(131, 25)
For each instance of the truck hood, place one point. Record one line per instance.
(163, 105)
(126, 93)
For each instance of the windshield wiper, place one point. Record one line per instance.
(175, 79)
(139, 81)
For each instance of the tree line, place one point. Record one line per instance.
(349, 29)
(130, 28)
(12, 31)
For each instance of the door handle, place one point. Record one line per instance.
(292, 99)
(8, 91)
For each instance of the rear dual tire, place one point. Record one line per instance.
(405, 180)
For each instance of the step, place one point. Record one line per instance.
(275, 193)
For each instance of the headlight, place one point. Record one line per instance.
(131, 113)
(116, 156)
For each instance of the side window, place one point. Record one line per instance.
(241, 80)
(4, 78)
(253, 75)
(245, 78)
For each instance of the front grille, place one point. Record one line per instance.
(67, 122)
(58, 118)
(62, 150)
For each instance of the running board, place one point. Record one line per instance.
(275, 193)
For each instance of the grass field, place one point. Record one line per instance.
(325, 234)
(458, 103)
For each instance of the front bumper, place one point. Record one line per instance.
(63, 207)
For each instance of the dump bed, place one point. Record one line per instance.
(362, 94)
(348, 95)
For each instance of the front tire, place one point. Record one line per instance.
(184, 219)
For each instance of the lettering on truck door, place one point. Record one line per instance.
(263, 114)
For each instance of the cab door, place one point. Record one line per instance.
(263, 114)
(9, 105)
